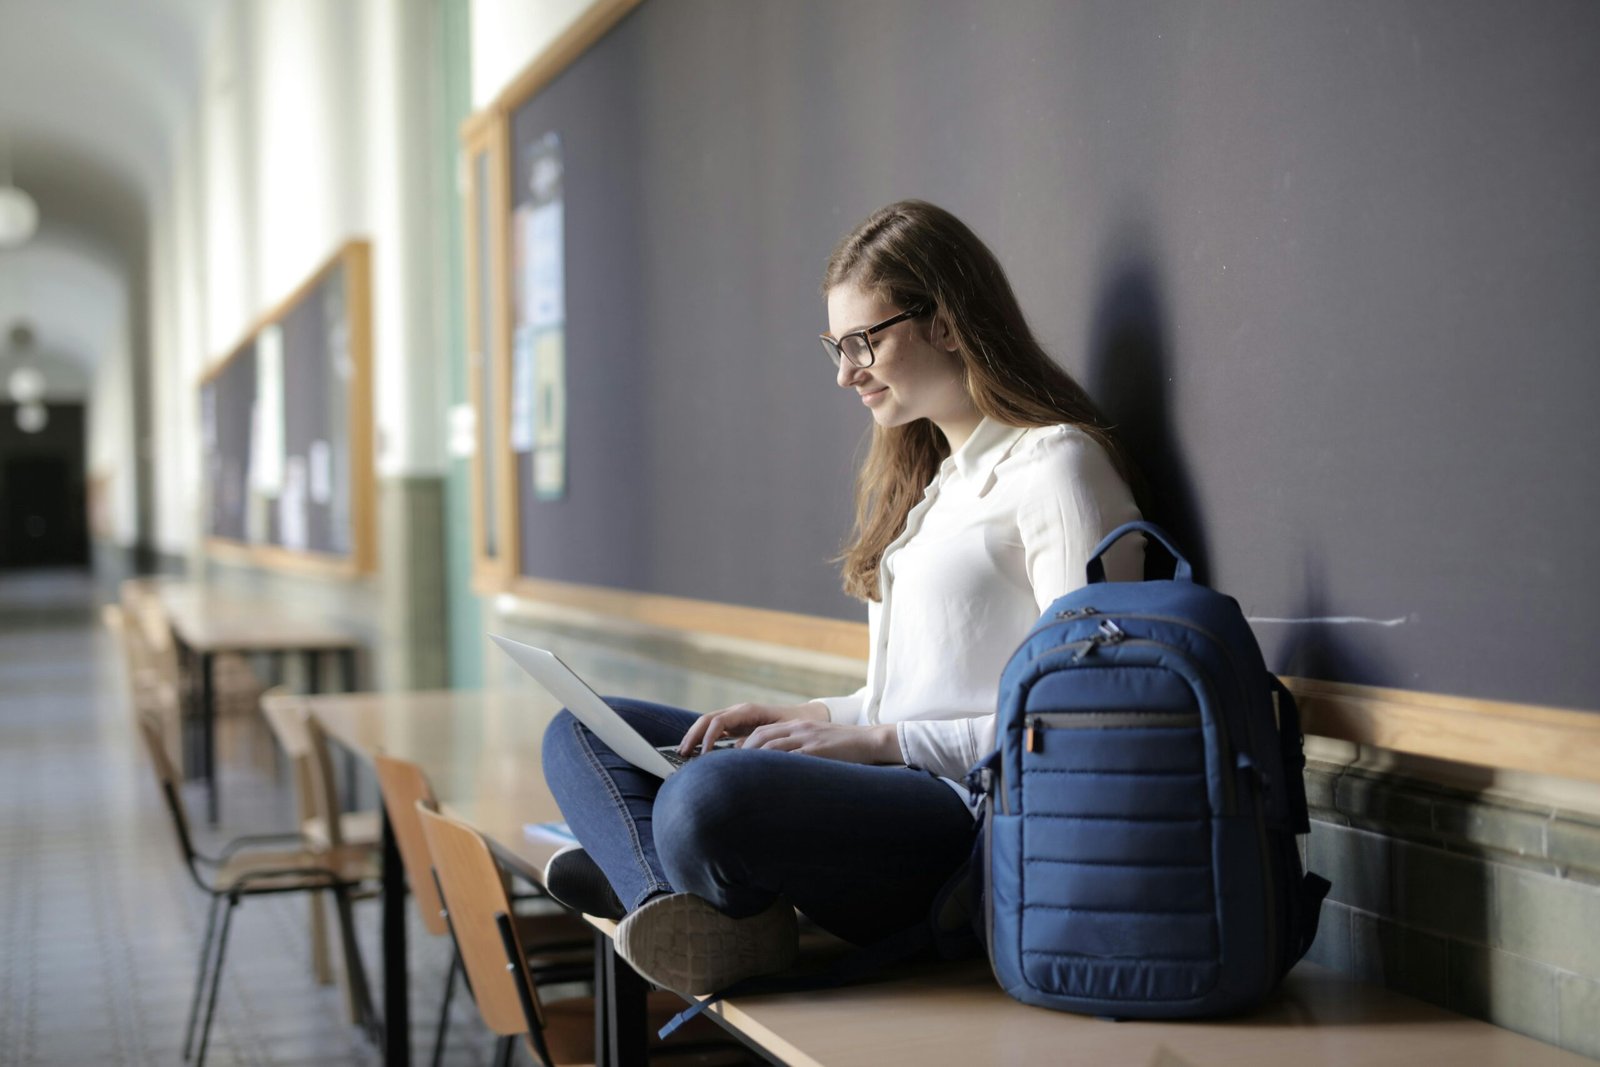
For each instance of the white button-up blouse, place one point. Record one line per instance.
(1004, 529)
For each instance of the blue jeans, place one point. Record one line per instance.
(861, 850)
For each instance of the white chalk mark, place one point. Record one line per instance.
(1333, 620)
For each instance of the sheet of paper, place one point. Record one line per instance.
(266, 451)
(320, 461)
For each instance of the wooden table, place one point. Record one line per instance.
(207, 623)
(481, 752)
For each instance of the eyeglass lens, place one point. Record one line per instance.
(853, 346)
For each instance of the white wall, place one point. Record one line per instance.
(507, 35)
(312, 128)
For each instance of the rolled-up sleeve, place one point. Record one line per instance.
(947, 747)
(845, 709)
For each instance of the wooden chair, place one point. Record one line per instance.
(250, 867)
(558, 942)
(323, 826)
(150, 690)
(235, 686)
(495, 960)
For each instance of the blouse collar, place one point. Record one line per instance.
(974, 462)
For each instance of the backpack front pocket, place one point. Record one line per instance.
(1116, 846)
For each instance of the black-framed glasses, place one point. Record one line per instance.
(856, 346)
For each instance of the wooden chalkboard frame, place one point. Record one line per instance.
(355, 259)
(1485, 733)
(486, 134)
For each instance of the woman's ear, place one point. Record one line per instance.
(940, 335)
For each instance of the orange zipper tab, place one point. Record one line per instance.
(1031, 740)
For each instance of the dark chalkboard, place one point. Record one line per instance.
(1333, 268)
(226, 402)
(316, 503)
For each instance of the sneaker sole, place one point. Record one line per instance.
(683, 943)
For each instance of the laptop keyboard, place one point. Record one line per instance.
(671, 751)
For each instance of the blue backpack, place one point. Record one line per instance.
(1141, 809)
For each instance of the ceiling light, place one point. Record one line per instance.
(19, 217)
(26, 385)
(31, 418)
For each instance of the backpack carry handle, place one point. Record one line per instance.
(1097, 570)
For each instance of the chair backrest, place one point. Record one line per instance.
(324, 786)
(134, 661)
(404, 788)
(306, 744)
(168, 780)
(147, 622)
(476, 899)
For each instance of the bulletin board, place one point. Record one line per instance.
(286, 427)
(1336, 295)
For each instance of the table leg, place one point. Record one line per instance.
(208, 734)
(347, 669)
(188, 709)
(347, 684)
(396, 987)
(620, 1013)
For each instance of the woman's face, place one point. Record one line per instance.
(916, 373)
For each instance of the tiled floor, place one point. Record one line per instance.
(99, 925)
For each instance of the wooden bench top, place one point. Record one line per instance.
(481, 752)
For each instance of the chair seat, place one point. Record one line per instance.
(363, 828)
(569, 1032)
(350, 865)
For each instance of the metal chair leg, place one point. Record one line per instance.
(200, 977)
(365, 1015)
(444, 1009)
(216, 982)
(503, 1052)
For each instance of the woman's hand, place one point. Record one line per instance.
(831, 740)
(740, 719)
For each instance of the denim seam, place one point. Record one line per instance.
(655, 885)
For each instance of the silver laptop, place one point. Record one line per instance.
(561, 682)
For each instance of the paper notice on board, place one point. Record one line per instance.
(543, 285)
(266, 448)
(522, 390)
(292, 519)
(319, 461)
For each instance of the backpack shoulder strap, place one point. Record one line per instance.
(1292, 750)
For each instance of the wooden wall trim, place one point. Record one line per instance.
(810, 633)
(1487, 733)
(475, 143)
(1551, 741)
(362, 424)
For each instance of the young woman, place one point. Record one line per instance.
(990, 479)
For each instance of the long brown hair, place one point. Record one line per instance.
(911, 254)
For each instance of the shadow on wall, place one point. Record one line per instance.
(1129, 376)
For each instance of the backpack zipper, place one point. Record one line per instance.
(1112, 634)
(1239, 687)
(1033, 740)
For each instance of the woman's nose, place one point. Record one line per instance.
(848, 374)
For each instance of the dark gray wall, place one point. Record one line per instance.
(1334, 268)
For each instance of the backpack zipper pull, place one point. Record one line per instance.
(1031, 739)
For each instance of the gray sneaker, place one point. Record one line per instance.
(683, 943)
